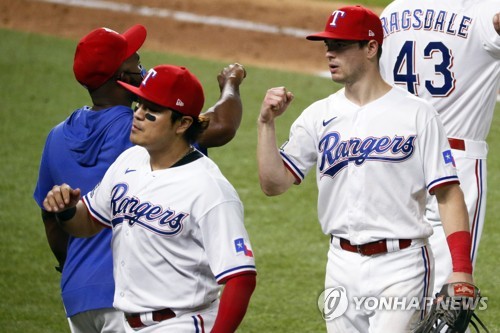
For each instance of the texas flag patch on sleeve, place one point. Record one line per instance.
(448, 157)
(242, 248)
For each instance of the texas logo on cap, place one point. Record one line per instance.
(172, 87)
(351, 23)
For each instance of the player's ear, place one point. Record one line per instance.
(184, 123)
(372, 48)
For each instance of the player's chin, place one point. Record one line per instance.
(334, 74)
(337, 78)
(134, 138)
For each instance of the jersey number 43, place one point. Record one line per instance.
(405, 72)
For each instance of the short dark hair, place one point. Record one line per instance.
(197, 127)
(363, 43)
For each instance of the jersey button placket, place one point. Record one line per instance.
(357, 177)
(351, 180)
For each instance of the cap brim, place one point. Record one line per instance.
(130, 88)
(133, 89)
(330, 35)
(318, 36)
(135, 37)
(140, 93)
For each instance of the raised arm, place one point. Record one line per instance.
(70, 212)
(274, 177)
(455, 221)
(225, 115)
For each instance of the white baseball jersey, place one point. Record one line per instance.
(374, 164)
(176, 232)
(447, 52)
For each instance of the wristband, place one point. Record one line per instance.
(66, 215)
(460, 244)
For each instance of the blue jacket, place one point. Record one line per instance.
(78, 152)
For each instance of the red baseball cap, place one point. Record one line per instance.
(352, 23)
(100, 53)
(172, 87)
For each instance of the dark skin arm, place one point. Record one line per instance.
(225, 116)
(56, 237)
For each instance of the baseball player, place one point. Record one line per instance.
(448, 52)
(177, 223)
(377, 151)
(79, 150)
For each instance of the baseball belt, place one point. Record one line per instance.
(135, 320)
(372, 248)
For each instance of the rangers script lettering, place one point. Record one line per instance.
(336, 154)
(131, 209)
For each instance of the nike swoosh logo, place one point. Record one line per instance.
(326, 122)
(129, 170)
